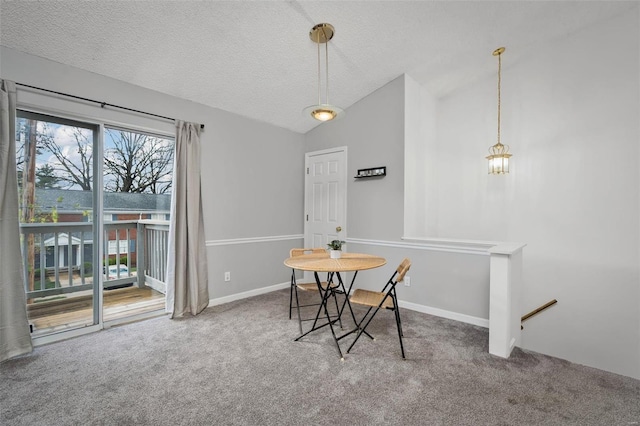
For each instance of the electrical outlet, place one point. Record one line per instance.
(227, 276)
(407, 281)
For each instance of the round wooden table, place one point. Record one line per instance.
(321, 262)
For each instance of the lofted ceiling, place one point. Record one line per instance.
(255, 58)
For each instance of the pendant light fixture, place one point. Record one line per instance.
(323, 111)
(499, 154)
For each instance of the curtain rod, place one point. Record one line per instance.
(102, 104)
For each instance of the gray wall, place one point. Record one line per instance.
(373, 130)
(253, 179)
(252, 175)
(452, 284)
(445, 282)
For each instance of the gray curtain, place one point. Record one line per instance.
(187, 275)
(15, 338)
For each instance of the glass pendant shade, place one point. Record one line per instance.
(498, 159)
(324, 112)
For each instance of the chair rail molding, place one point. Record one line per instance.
(253, 240)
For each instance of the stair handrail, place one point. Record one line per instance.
(537, 311)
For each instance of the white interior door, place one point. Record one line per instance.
(325, 197)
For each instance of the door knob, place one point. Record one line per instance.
(338, 228)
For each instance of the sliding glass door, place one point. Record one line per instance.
(94, 207)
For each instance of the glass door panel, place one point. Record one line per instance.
(54, 159)
(137, 177)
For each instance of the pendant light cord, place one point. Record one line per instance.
(326, 62)
(499, 81)
(319, 80)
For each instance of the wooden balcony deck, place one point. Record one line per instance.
(76, 310)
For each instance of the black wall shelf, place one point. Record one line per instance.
(371, 172)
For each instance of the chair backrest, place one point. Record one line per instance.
(403, 268)
(300, 251)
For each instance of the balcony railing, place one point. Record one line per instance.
(134, 252)
(154, 248)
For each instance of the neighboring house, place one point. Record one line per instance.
(63, 251)
(76, 206)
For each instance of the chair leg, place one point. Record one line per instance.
(290, 299)
(397, 312)
(335, 299)
(361, 321)
(298, 309)
(397, 309)
(346, 300)
(362, 330)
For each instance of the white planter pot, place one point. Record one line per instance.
(335, 254)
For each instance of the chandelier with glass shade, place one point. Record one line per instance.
(499, 154)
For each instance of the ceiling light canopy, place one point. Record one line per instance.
(323, 111)
(499, 154)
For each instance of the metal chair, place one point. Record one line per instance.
(309, 286)
(386, 299)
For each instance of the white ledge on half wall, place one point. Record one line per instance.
(506, 248)
(437, 244)
(452, 245)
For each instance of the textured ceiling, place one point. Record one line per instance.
(256, 59)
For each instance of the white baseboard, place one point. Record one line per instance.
(250, 293)
(468, 319)
(481, 322)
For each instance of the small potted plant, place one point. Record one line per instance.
(335, 249)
